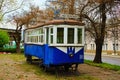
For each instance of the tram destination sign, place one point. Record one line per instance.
(68, 16)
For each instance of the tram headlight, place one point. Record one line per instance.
(71, 54)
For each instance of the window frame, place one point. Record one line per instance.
(73, 36)
(63, 35)
(54, 34)
(65, 43)
(51, 34)
(41, 35)
(33, 36)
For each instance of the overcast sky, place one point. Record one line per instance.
(40, 3)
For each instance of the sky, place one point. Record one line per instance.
(40, 3)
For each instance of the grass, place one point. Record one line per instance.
(104, 65)
(51, 75)
(20, 62)
(35, 69)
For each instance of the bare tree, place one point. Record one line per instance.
(113, 28)
(17, 37)
(8, 6)
(26, 19)
(96, 12)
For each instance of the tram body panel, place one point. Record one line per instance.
(54, 56)
(34, 50)
(60, 57)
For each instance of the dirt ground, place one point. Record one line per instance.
(9, 70)
(100, 73)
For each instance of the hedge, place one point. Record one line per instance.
(11, 50)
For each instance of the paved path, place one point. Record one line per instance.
(105, 58)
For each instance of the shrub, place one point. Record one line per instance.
(11, 50)
(4, 38)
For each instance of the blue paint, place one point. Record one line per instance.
(63, 58)
(53, 56)
(71, 51)
(34, 50)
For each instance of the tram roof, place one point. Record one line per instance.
(58, 22)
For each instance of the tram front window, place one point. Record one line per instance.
(70, 35)
(80, 36)
(60, 35)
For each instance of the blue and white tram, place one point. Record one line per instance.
(56, 43)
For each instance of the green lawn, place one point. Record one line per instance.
(104, 65)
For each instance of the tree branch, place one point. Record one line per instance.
(1, 3)
(11, 10)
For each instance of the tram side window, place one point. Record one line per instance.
(51, 35)
(60, 35)
(34, 36)
(40, 31)
(31, 39)
(36, 39)
(40, 35)
(28, 39)
(28, 36)
(79, 35)
(41, 38)
(70, 35)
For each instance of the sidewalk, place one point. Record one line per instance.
(104, 54)
(111, 59)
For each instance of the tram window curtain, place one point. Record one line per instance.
(79, 36)
(70, 39)
(60, 35)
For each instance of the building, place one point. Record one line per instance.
(11, 31)
(111, 43)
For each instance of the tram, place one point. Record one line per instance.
(56, 43)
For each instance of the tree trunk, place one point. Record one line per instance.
(18, 50)
(17, 39)
(98, 55)
(100, 37)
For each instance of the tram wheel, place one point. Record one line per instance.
(46, 69)
(66, 67)
(76, 67)
(29, 59)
